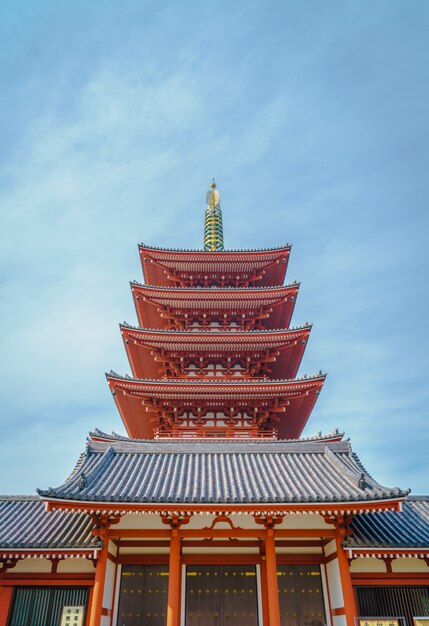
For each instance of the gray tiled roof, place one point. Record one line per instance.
(219, 472)
(409, 528)
(25, 524)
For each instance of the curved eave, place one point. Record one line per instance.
(295, 400)
(151, 303)
(246, 387)
(47, 550)
(389, 552)
(143, 346)
(162, 267)
(351, 507)
(240, 292)
(206, 253)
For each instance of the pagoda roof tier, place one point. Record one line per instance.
(145, 474)
(163, 353)
(187, 268)
(25, 525)
(183, 308)
(203, 407)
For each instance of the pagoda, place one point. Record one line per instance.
(214, 355)
(214, 510)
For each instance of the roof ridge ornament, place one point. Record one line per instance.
(213, 229)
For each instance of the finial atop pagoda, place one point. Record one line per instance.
(213, 230)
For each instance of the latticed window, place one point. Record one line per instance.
(42, 606)
(395, 601)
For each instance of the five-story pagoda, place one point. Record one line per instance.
(214, 355)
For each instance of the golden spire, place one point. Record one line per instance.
(213, 230)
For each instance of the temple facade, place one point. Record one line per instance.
(214, 510)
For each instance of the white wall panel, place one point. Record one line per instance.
(109, 584)
(334, 584)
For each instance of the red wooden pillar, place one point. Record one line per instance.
(350, 609)
(98, 589)
(271, 577)
(101, 529)
(174, 578)
(5, 601)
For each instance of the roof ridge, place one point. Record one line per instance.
(362, 479)
(318, 437)
(416, 498)
(82, 477)
(191, 446)
(12, 497)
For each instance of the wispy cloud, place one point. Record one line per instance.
(112, 137)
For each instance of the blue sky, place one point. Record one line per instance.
(312, 117)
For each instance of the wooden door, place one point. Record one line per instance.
(143, 595)
(221, 595)
(300, 595)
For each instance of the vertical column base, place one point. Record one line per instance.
(96, 608)
(102, 524)
(6, 594)
(350, 609)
